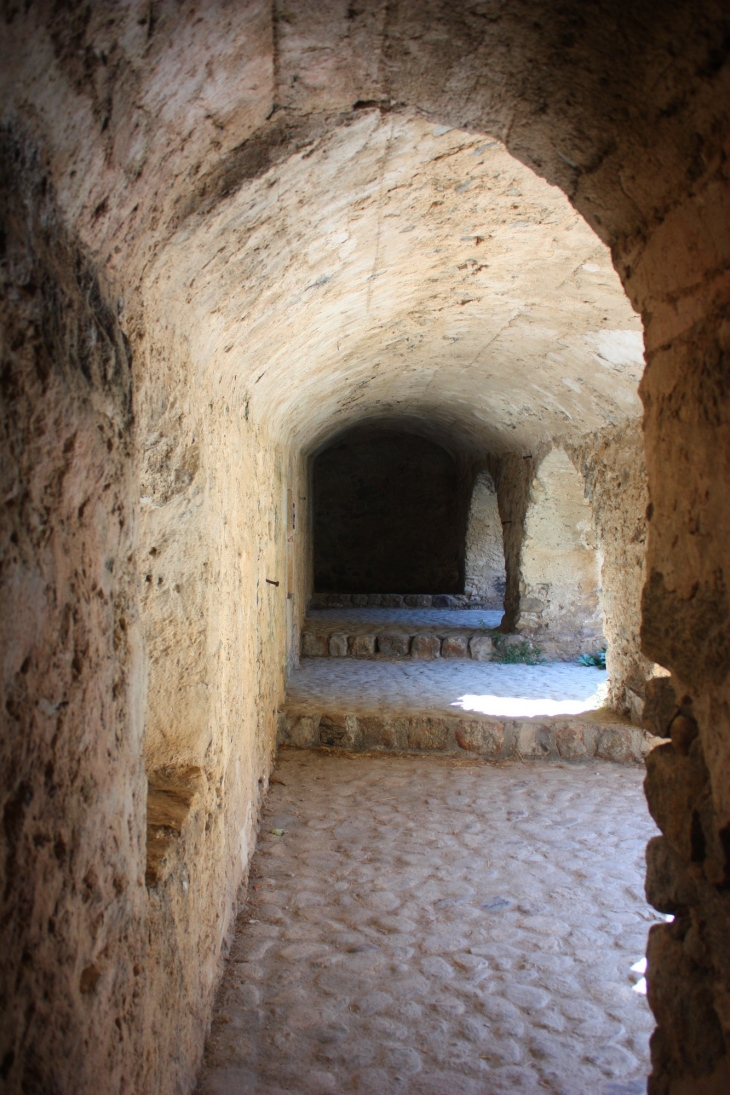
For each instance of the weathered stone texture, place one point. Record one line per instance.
(614, 471)
(480, 737)
(362, 646)
(455, 646)
(72, 783)
(236, 188)
(394, 644)
(481, 648)
(575, 738)
(337, 646)
(425, 646)
(559, 568)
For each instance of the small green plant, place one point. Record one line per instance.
(516, 653)
(597, 660)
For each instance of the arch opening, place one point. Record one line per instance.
(389, 515)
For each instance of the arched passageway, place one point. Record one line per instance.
(231, 232)
(389, 515)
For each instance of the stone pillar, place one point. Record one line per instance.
(485, 570)
(559, 566)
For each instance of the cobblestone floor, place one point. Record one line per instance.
(446, 687)
(427, 927)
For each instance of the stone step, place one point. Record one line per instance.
(428, 644)
(495, 711)
(596, 734)
(424, 645)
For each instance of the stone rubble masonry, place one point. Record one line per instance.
(579, 737)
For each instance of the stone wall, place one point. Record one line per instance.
(72, 972)
(389, 515)
(223, 579)
(485, 579)
(679, 278)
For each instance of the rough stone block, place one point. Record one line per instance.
(428, 733)
(615, 744)
(302, 731)
(535, 739)
(455, 646)
(361, 646)
(486, 738)
(359, 600)
(337, 646)
(339, 730)
(375, 599)
(314, 646)
(481, 648)
(395, 644)
(383, 732)
(575, 740)
(417, 600)
(425, 647)
(392, 600)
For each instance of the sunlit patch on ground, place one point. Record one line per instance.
(525, 707)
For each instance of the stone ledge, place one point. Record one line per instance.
(170, 795)
(600, 734)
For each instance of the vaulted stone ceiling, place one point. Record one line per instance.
(395, 268)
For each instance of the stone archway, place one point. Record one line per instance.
(106, 175)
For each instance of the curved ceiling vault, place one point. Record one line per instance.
(398, 269)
